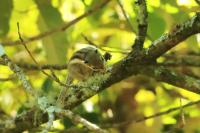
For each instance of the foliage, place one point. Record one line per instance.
(130, 99)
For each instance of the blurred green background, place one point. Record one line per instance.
(131, 99)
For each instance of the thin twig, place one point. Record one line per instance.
(112, 51)
(28, 66)
(168, 111)
(178, 64)
(154, 115)
(60, 28)
(78, 119)
(182, 114)
(44, 67)
(125, 15)
(128, 20)
(186, 55)
(38, 65)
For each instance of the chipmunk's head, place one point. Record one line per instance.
(85, 62)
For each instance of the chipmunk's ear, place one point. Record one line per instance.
(107, 56)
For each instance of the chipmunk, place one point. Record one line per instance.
(83, 64)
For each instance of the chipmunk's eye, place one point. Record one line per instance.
(96, 51)
(107, 56)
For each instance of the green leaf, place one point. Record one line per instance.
(22, 109)
(171, 2)
(6, 7)
(156, 25)
(55, 45)
(192, 44)
(182, 16)
(47, 85)
(92, 117)
(94, 19)
(67, 122)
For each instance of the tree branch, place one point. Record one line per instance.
(78, 119)
(19, 73)
(142, 25)
(177, 35)
(180, 80)
(35, 67)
